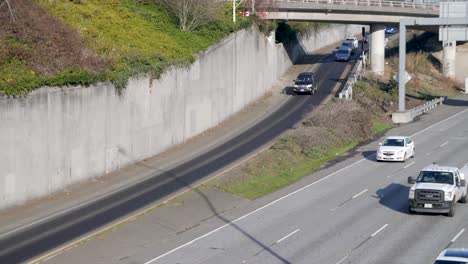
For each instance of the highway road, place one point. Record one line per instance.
(46, 235)
(357, 214)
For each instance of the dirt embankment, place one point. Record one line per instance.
(29, 34)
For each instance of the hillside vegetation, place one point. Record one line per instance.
(59, 42)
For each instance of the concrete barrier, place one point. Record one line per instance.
(58, 136)
(408, 116)
(354, 76)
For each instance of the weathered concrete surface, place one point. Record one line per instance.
(401, 117)
(449, 58)
(377, 48)
(58, 136)
(459, 61)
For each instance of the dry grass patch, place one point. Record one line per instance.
(326, 133)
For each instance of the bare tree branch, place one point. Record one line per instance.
(193, 13)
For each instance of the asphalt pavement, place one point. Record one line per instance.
(355, 214)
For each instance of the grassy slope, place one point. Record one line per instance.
(328, 133)
(132, 37)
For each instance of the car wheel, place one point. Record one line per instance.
(451, 213)
(463, 199)
(411, 212)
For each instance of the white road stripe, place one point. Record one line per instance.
(355, 196)
(459, 234)
(444, 144)
(438, 123)
(341, 260)
(292, 233)
(378, 231)
(292, 193)
(409, 165)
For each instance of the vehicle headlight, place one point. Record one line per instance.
(411, 194)
(310, 85)
(295, 86)
(448, 196)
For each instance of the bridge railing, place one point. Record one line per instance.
(367, 3)
(354, 76)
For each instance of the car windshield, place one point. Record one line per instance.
(346, 44)
(342, 52)
(304, 79)
(450, 262)
(394, 142)
(435, 177)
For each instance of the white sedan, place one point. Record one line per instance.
(396, 148)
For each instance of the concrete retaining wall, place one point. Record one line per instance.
(58, 136)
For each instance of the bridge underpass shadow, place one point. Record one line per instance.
(456, 102)
(394, 196)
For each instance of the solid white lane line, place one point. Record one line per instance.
(409, 165)
(292, 193)
(459, 234)
(378, 231)
(429, 127)
(444, 144)
(355, 196)
(292, 233)
(341, 260)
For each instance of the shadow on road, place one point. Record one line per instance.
(394, 196)
(456, 102)
(288, 90)
(180, 181)
(369, 155)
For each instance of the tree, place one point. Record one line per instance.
(193, 13)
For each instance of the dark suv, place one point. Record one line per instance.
(305, 83)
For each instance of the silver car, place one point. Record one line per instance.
(343, 55)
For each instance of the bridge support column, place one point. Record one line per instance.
(448, 58)
(377, 48)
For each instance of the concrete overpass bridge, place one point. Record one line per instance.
(376, 13)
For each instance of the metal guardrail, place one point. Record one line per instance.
(368, 3)
(417, 111)
(355, 75)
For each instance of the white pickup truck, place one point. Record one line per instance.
(437, 189)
